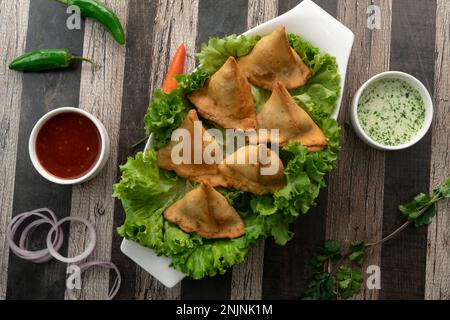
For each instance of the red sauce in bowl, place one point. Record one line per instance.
(68, 145)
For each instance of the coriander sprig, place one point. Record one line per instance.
(343, 276)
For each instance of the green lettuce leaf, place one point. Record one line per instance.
(214, 54)
(215, 257)
(260, 97)
(146, 191)
(192, 82)
(165, 114)
(321, 92)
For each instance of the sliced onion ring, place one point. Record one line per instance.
(54, 251)
(20, 250)
(105, 264)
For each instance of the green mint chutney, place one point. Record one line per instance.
(391, 111)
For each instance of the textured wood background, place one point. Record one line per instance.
(360, 202)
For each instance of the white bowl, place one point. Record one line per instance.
(415, 83)
(312, 23)
(101, 161)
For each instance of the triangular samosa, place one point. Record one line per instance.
(200, 172)
(226, 98)
(273, 59)
(283, 113)
(246, 170)
(206, 212)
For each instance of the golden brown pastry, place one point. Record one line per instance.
(257, 176)
(273, 59)
(283, 113)
(226, 98)
(206, 212)
(202, 172)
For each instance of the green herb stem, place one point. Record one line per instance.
(343, 277)
(403, 226)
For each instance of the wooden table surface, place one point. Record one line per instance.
(363, 193)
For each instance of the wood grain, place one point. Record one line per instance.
(175, 23)
(286, 5)
(260, 11)
(13, 30)
(367, 182)
(220, 18)
(101, 95)
(329, 6)
(407, 172)
(136, 95)
(355, 201)
(246, 280)
(437, 284)
(42, 92)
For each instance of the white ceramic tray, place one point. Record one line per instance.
(313, 24)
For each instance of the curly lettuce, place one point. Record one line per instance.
(146, 191)
(165, 114)
(320, 94)
(213, 55)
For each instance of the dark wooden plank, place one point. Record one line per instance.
(215, 18)
(41, 93)
(437, 285)
(136, 94)
(295, 257)
(407, 172)
(220, 18)
(328, 5)
(288, 268)
(13, 33)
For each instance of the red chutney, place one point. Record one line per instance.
(68, 145)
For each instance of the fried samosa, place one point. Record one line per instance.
(246, 170)
(273, 59)
(206, 212)
(283, 113)
(200, 172)
(226, 98)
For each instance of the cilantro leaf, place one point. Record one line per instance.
(331, 253)
(444, 189)
(321, 287)
(358, 252)
(349, 281)
(426, 216)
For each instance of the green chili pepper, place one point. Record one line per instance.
(96, 10)
(45, 59)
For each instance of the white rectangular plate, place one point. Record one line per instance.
(313, 24)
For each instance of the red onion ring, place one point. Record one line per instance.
(44, 255)
(54, 251)
(20, 250)
(104, 264)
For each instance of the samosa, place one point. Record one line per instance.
(199, 172)
(206, 212)
(255, 169)
(273, 59)
(283, 113)
(226, 98)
